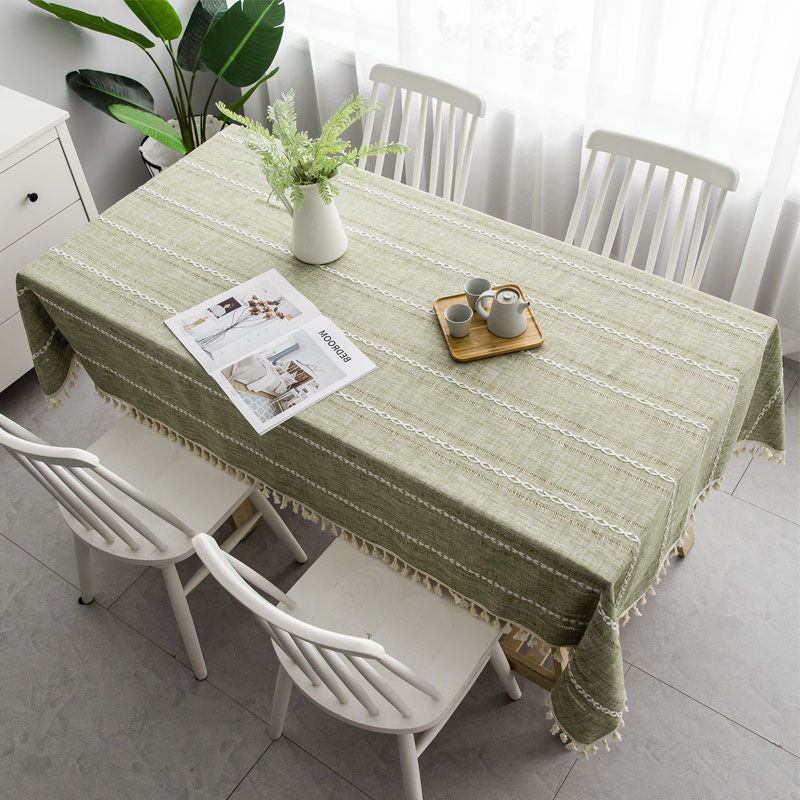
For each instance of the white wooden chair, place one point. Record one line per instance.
(367, 646)
(141, 505)
(708, 173)
(404, 85)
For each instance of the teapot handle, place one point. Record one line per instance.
(479, 307)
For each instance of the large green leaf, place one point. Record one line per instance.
(94, 23)
(242, 43)
(150, 125)
(205, 14)
(240, 101)
(158, 16)
(104, 89)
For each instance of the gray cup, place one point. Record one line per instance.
(474, 288)
(458, 317)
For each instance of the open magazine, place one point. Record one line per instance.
(269, 348)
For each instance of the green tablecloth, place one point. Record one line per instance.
(546, 488)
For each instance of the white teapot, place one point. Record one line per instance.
(507, 317)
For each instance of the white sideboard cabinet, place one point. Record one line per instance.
(44, 198)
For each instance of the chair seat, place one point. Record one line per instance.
(192, 489)
(350, 592)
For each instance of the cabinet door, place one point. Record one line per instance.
(31, 246)
(44, 174)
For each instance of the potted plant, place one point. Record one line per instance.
(297, 165)
(237, 44)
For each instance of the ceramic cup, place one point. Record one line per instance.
(459, 317)
(475, 287)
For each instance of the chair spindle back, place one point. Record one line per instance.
(709, 174)
(71, 477)
(405, 86)
(345, 664)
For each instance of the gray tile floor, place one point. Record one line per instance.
(98, 701)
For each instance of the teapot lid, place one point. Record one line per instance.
(507, 296)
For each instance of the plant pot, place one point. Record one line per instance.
(157, 157)
(317, 233)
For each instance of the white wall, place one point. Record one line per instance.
(37, 50)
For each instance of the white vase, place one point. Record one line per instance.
(317, 233)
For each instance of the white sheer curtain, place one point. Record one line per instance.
(719, 78)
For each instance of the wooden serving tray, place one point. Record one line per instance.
(479, 343)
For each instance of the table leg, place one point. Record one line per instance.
(688, 541)
(531, 664)
(243, 513)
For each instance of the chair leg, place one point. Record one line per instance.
(83, 557)
(278, 526)
(409, 764)
(280, 703)
(503, 670)
(183, 616)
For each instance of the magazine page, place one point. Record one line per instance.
(275, 382)
(242, 319)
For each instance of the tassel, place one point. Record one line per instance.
(554, 729)
(562, 736)
(617, 736)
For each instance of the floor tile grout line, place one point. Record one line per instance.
(138, 632)
(761, 508)
(792, 387)
(46, 566)
(744, 472)
(329, 768)
(186, 667)
(128, 588)
(569, 772)
(716, 711)
(252, 767)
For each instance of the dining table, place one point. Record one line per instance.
(544, 490)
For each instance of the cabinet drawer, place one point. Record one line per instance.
(16, 359)
(45, 173)
(31, 246)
